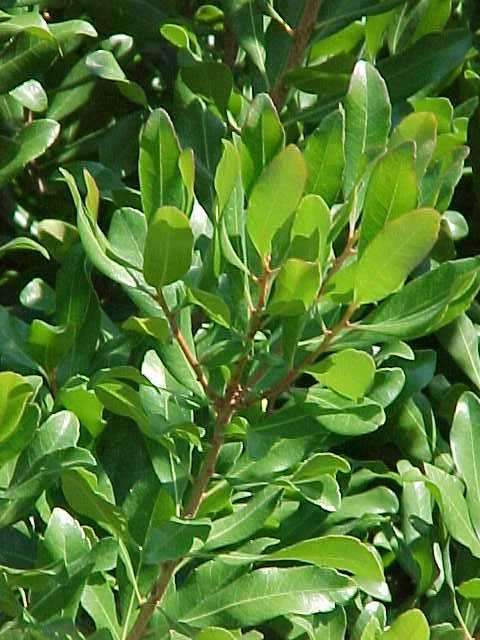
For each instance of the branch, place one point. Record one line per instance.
(348, 251)
(273, 393)
(301, 37)
(200, 486)
(264, 281)
(183, 344)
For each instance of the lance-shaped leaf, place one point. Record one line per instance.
(367, 121)
(168, 247)
(344, 553)
(465, 443)
(275, 197)
(160, 177)
(393, 254)
(263, 138)
(392, 191)
(267, 593)
(448, 492)
(324, 155)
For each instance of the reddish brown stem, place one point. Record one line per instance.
(301, 37)
(184, 346)
(200, 487)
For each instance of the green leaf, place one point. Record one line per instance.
(226, 175)
(29, 53)
(176, 35)
(31, 142)
(428, 62)
(267, 593)
(470, 589)
(448, 492)
(275, 197)
(391, 192)
(247, 23)
(213, 305)
(465, 444)
(423, 304)
(263, 138)
(367, 121)
(76, 397)
(213, 80)
(154, 327)
(99, 602)
(168, 247)
(244, 521)
(324, 157)
(31, 95)
(344, 553)
(296, 288)
(16, 393)
(411, 624)
(103, 64)
(386, 262)
(214, 633)
(174, 539)
(160, 178)
(23, 244)
(348, 372)
(48, 344)
(310, 229)
(460, 339)
(80, 490)
(94, 241)
(420, 128)
(46, 470)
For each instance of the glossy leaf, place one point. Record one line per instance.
(168, 247)
(275, 197)
(267, 593)
(391, 192)
(386, 263)
(367, 121)
(348, 372)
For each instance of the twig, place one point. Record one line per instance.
(199, 489)
(263, 282)
(273, 393)
(183, 344)
(301, 38)
(348, 251)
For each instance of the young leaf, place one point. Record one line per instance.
(214, 306)
(263, 138)
(160, 178)
(310, 229)
(168, 247)
(275, 197)
(460, 339)
(348, 372)
(296, 288)
(420, 128)
(411, 624)
(448, 492)
(386, 262)
(324, 157)
(465, 444)
(391, 192)
(367, 121)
